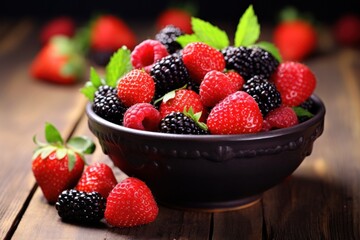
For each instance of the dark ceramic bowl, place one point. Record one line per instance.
(209, 172)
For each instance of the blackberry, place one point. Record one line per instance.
(250, 61)
(79, 206)
(264, 93)
(308, 105)
(169, 73)
(179, 123)
(167, 36)
(107, 104)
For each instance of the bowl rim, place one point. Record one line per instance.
(211, 137)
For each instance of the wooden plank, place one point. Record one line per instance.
(321, 199)
(25, 105)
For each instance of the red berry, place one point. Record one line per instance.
(147, 53)
(347, 30)
(98, 177)
(238, 113)
(200, 58)
(57, 26)
(295, 39)
(136, 86)
(142, 116)
(215, 87)
(281, 117)
(236, 78)
(130, 203)
(177, 17)
(295, 82)
(183, 100)
(109, 32)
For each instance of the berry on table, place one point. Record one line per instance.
(81, 207)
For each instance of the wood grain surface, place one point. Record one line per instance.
(321, 200)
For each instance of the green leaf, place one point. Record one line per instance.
(71, 159)
(45, 152)
(118, 65)
(95, 78)
(89, 90)
(195, 117)
(209, 33)
(248, 29)
(185, 39)
(52, 135)
(271, 48)
(302, 112)
(81, 144)
(61, 153)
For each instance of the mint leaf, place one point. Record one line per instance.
(52, 135)
(302, 112)
(271, 48)
(118, 65)
(209, 33)
(95, 78)
(248, 29)
(81, 144)
(185, 39)
(89, 90)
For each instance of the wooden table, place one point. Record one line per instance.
(321, 200)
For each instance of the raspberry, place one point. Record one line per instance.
(264, 93)
(281, 117)
(169, 73)
(295, 82)
(147, 53)
(167, 36)
(250, 61)
(179, 123)
(135, 87)
(200, 58)
(238, 113)
(215, 87)
(142, 116)
(107, 104)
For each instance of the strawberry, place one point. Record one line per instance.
(200, 58)
(236, 78)
(147, 53)
(142, 116)
(295, 39)
(281, 117)
(177, 17)
(130, 203)
(58, 165)
(238, 113)
(182, 100)
(215, 87)
(295, 81)
(58, 62)
(63, 25)
(97, 177)
(136, 86)
(346, 30)
(109, 33)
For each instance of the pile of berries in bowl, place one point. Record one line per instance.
(205, 123)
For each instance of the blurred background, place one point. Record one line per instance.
(227, 10)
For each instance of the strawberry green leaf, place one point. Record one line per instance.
(185, 39)
(81, 144)
(45, 152)
(118, 65)
(195, 117)
(271, 48)
(71, 159)
(61, 153)
(248, 29)
(209, 33)
(302, 112)
(168, 96)
(52, 135)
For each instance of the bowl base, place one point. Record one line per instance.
(214, 207)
